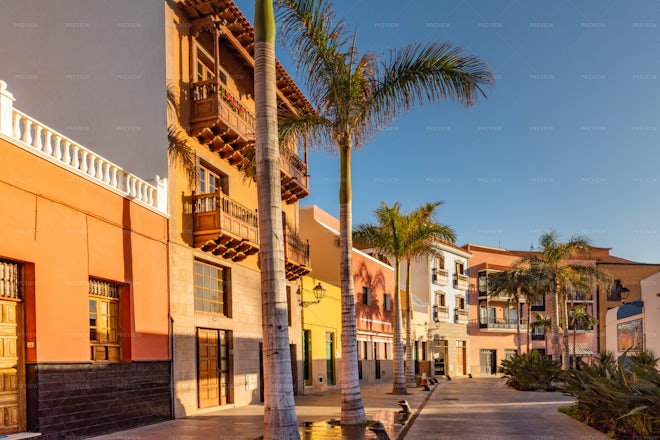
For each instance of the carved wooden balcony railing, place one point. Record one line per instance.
(440, 276)
(296, 254)
(461, 282)
(295, 180)
(461, 316)
(224, 227)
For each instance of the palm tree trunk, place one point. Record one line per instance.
(574, 344)
(352, 409)
(565, 357)
(279, 407)
(410, 363)
(554, 307)
(529, 323)
(399, 379)
(518, 323)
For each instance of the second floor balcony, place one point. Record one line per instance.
(461, 282)
(439, 276)
(440, 313)
(224, 227)
(501, 325)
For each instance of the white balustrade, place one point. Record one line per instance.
(69, 154)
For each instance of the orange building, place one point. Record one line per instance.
(374, 285)
(84, 345)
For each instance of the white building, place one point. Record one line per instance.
(439, 289)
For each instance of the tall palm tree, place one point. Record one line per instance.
(279, 407)
(425, 231)
(355, 95)
(544, 322)
(561, 277)
(401, 236)
(579, 317)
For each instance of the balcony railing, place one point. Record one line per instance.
(461, 315)
(440, 277)
(296, 256)
(461, 282)
(295, 180)
(212, 102)
(440, 312)
(224, 226)
(43, 141)
(500, 324)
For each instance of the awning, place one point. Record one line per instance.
(581, 348)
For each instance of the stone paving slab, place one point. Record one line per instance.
(314, 410)
(486, 409)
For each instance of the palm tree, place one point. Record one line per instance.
(401, 236)
(579, 317)
(424, 231)
(355, 95)
(561, 277)
(517, 285)
(279, 407)
(544, 322)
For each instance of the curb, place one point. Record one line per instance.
(406, 428)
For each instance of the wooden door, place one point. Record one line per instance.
(330, 358)
(207, 368)
(9, 396)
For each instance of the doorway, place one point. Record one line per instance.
(213, 364)
(488, 361)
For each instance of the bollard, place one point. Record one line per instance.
(405, 407)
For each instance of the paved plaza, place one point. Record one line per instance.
(479, 409)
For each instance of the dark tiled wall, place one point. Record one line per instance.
(70, 401)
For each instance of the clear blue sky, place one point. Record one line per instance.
(567, 140)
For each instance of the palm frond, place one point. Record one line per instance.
(421, 73)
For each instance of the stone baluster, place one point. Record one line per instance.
(113, 177)
(106, 173)
(76, 159)
(48, 144)
(67, 151)
(99, 169)
(57, 148)
(83, 161)
(27, 133)
(37, 137)
(92, 159)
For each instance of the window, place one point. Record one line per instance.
(440, 299)
(460, 303)
(212, 289)
(365, 349)
(10, 279)
(460, 268)
(510, 353)
(512, 315)
(387, 302)
(366, 296)
(104, 320)
(539, 304)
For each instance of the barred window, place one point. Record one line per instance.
(104, 320)
(211, 288)
(10, 279)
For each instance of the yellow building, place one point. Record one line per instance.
(214, 236)
(321, 334)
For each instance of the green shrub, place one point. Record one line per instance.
(617, 396)
(530, 371)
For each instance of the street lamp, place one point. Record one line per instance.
(319, 294)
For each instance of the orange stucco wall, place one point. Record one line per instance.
(66, 229)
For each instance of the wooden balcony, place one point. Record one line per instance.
(295, 180)
(224, 227)
(220, 121)
(462, 316)
(296, 256)
(461, 282)
(227, 127)
(440, 313)
(440, 277)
